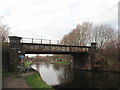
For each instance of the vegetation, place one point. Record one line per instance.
(7, 74)
(28, 63)
(4, 32)
(106, 38)
(78, 36)
(35, 81)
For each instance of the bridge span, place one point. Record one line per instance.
(35, 48)
(39, 46)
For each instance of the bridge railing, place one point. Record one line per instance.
(39, 41)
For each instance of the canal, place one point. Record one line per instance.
(62, 76)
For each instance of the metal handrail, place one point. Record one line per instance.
(41, 41)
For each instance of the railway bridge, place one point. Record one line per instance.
(21, 46)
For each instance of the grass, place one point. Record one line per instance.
(19, 76)
(59, 62)
(35, 81)
(5, 74)
(28, 63)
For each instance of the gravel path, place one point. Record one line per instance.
(13, 82)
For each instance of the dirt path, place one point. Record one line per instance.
(13, 82)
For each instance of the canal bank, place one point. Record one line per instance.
(35, 80)
(24, 80)
(54, 62)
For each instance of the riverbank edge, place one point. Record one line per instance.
(81, 68)
(39, 80)
(59, 62)
(54, 62)
(89, 70)
(84, 68)
(5, 74)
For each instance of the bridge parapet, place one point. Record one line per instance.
(30, 45)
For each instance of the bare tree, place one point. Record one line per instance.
(106, 38)
(83, 33)
(110, 53)
(78, 36)
(4, 31)
(102, 34)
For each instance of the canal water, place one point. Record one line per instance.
(61, 76)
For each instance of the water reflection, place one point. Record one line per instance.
(63, 76)
(52, 74)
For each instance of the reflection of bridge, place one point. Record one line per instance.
(39, 46)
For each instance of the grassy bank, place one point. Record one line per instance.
(28, 63)
(5, 74)
(59, 62)
(35, 81)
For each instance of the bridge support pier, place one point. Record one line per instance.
(14, 59)
(92, 55)
(85, 60)
(14, 52)
(80, 60)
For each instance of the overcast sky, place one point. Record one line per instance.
(52, 19)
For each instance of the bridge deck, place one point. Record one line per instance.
(35, 48)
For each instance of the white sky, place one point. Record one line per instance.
(52, 19)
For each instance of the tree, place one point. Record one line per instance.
(103, 34)
(107, 41)
(106, 38)
(4, 32)
(78, 36)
